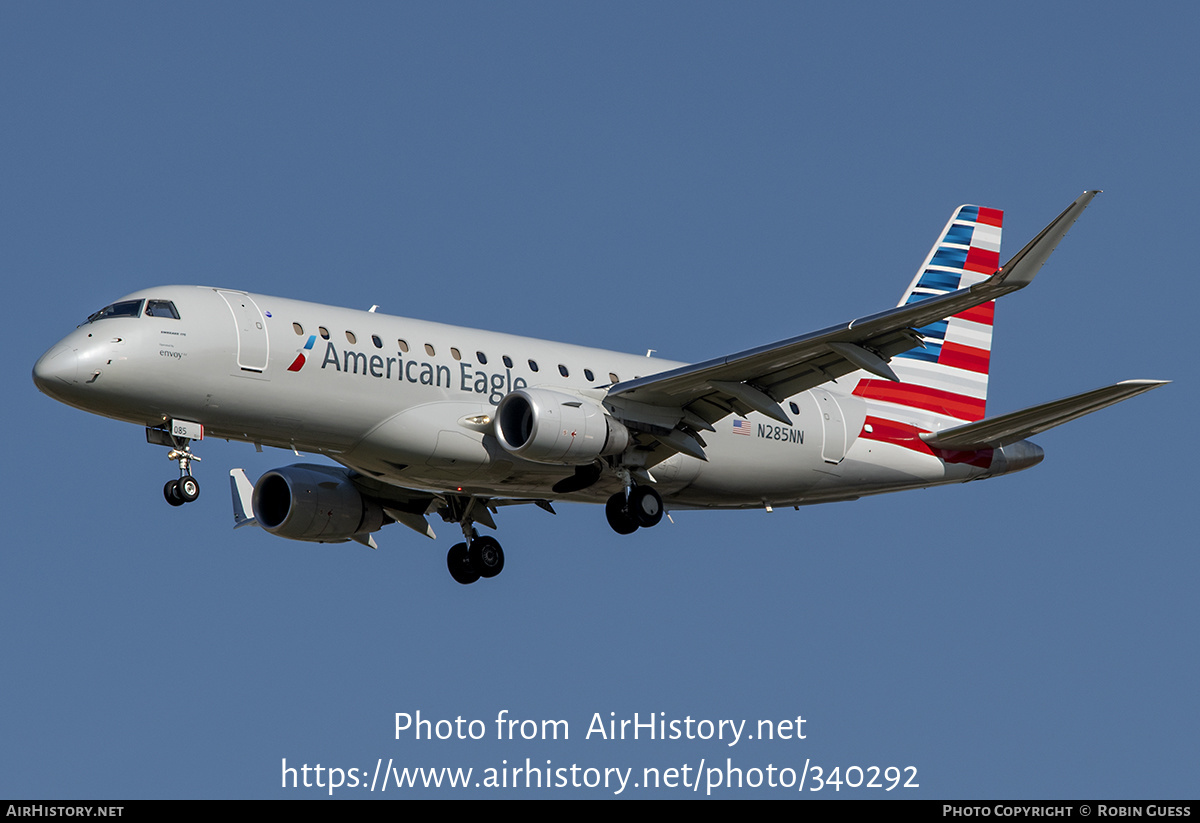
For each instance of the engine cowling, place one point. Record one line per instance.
(310, 502)
(552, 427)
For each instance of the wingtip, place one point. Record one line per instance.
(1020, 270)
(1148, 383)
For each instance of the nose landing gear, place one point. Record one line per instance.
(178, 438)
(187, 488)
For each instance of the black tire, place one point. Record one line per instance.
(171, 492)
(189, 488)
(460, 564)
(645, 506)
(487, 558)
(618, 515)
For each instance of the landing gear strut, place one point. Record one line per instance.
(636, 507)
(187, 488)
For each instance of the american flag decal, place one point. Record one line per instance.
(741, 427)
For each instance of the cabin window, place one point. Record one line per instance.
(455, 353)
(350, 336)
(588, 376)
(429, 349)
(533, 365)
(161, 308)
(795, 408)
(126, 308)
(563, 370)
(481, 357)
(324, 332)
(296, 327)
(377, 341)
(507, 361)
(613, 377)
(403, 344)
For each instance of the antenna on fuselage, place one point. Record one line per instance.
(372, 309)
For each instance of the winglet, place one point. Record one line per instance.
(1020, 270)
(243, 492)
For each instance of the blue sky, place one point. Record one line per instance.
(694, 178)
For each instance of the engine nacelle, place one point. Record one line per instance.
(310, 502)
(551, 427)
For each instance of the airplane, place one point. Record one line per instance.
(432, 419)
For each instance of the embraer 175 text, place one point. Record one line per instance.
(427, 419)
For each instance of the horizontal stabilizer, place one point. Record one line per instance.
(1019, 425)
(243, 493)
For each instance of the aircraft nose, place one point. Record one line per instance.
(56, 369)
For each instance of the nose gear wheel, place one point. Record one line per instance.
(187, 488)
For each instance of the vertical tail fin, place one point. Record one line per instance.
(946, 381)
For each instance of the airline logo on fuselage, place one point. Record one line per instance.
(494, 384)
(298, 363)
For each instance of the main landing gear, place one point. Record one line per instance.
(186, 488)
(476, 556)
(480, 557)
(636, 507)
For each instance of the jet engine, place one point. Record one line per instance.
(551, 427)
(310, 502)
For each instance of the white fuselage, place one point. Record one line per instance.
(410, 402)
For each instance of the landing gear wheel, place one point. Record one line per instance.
(618, 515)
(459, 563)
(171, 492)
(486, 556)
(645, 506)
(188, 488)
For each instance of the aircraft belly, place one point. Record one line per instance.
(434, 441)
(868, 468)
(675, 473)
(770, 459)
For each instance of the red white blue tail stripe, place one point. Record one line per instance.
(945, 383)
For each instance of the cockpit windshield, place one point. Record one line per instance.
(161, 308)
(126, 308)
(133, 308)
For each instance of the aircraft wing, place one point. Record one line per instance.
(1009, 428)
(757, 379)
